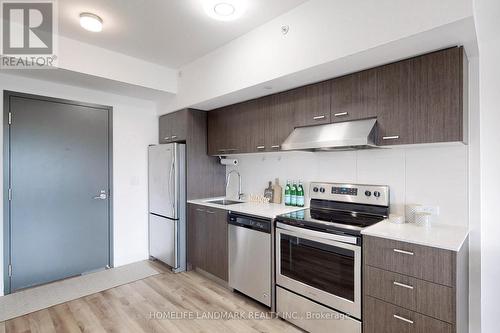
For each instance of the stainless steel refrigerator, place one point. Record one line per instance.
(167, 204)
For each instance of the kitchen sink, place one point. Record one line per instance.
(224, 202)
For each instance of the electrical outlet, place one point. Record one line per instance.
(433, 210)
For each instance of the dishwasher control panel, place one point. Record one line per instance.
(250, 222)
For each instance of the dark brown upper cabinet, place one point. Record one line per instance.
(421, 100)
(280, 119)
(236, 129)
(258, 125)
(249, 126)
(437, 84)
(173, 127)
(393, 104)
(217, 125)
(223, 131)
(418, 100)
(310, 105)
(354, 96)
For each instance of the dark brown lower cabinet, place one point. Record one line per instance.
(207, 240)
(414, 288)
(383, 317)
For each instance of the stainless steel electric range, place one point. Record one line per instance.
(318, 256)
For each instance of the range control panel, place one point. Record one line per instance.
(354, 193)
(345, 190)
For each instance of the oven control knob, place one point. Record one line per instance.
(315, 190)
(368, 193)
(322, 190)
(376, 194)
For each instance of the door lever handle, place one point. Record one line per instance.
(101, 196)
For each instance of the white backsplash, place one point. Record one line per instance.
(431, 175)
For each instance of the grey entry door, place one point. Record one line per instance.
(60, 178)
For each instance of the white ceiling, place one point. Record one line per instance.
(167, 32)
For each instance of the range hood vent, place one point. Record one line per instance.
(349, 135)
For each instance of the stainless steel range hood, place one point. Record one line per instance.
(349, 135)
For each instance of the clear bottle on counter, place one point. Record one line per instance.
(300, 195)
(293, 194)
(288, 199)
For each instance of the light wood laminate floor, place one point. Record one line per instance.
(161, 303)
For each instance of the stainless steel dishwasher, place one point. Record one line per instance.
(250, 256)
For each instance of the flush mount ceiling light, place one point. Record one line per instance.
(225, 10)
(91, 22)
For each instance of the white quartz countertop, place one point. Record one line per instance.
(447, 237)
(268, 210)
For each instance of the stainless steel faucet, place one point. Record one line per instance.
(240, 195)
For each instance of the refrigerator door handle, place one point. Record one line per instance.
(171, 185)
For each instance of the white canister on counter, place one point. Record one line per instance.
(411, 210)
(423, 219)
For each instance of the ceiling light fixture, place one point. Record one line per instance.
(91, 22)
(225, 10)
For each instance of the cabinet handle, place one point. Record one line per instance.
(402, 285)
(261, 147)
(174, 137)
(403, 319)
(232, 149)
(200, 210)
(393, 137)
(276, 147)
(340, 114)
(404, 252)
(210, 212)
(319, 117)
(166, 138)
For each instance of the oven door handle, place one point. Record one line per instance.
(318, 234)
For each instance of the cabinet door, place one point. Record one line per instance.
(256, 121)
(178, 127)
(244, 125)
(437, 96)
(173, 127)
(311, 104)
(191, 234)
(216, 123)
(197, 236)
(354, 96)
(279, 120)
(164, 130)
(217, 245)
(393, 104)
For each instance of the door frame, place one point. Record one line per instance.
(6, 174)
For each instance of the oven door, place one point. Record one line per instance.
(320, 266)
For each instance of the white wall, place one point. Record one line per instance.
(135, 126)
(487, 13)
(474, 200)
(435, 175)
(321, 31)
(92, 60)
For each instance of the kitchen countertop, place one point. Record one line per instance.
(268, 210)
(447, 237)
